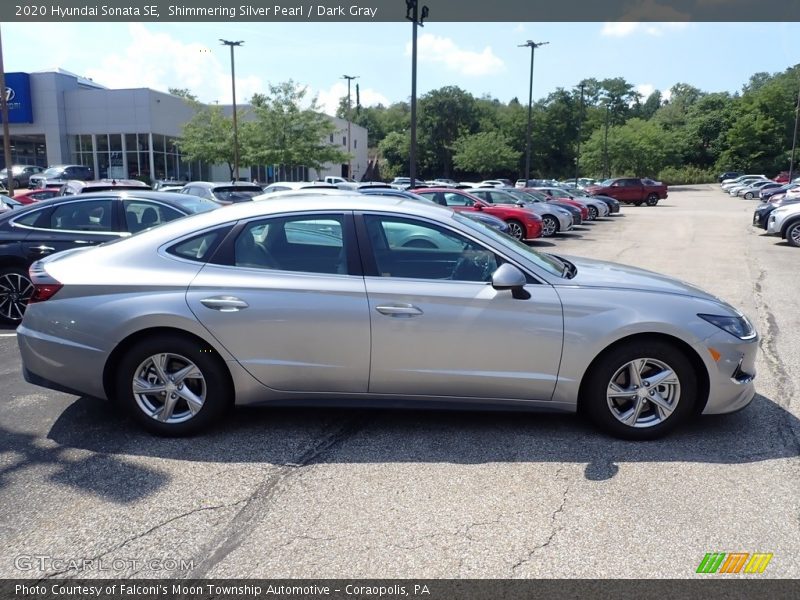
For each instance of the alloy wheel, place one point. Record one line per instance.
(793, 235)
(549, 226)
(15, 291)
(643, 393)
(169, 388)
(592, 213)
(515, 231)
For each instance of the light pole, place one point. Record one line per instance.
(533, 46)
(235, 125)
(580, 127)
(606, 168)
(417, 19)
(349, 115)
(6, 134)
(794, 138)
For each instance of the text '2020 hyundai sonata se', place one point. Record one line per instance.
(330, 300)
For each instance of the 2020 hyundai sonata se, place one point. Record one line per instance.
(325, 300)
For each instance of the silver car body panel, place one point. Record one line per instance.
(533, 353)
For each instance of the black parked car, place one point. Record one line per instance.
(761, 214)
(38, 230)
(612, 203)
(729, 175)
(60, 173)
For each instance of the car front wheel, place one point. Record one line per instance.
(652, 200)
(549, 226)
(172, 385)
(516, 230)
(592, 213)
(640, 390)
(793, 234)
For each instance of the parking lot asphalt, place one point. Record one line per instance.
(371, 493)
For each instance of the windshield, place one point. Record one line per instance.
(499, 198)
(549, 263)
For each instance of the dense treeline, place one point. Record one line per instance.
(688, 138)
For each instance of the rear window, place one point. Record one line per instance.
(239, 193)
(194, 204)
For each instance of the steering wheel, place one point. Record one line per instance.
(473, 266)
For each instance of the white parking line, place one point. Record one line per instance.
(8, 334)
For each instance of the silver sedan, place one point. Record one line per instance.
(554, 218)
(320, 301)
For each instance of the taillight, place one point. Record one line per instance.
(43, 291)
(44, 285)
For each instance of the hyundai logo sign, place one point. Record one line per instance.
(18, 98)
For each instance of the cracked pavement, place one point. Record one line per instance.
(370, 493)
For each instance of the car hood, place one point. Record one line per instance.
(602, 274)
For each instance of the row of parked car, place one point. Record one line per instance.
(779, 209)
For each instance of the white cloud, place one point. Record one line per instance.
(329, 99)
(158, 61)
(520, 28)
(645, 89)
(626, 28)
(435, 49)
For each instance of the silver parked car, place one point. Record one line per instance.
(554, 218)
(318, 301)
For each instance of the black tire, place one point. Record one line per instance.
(517, 230)
(592, 213)
(216, 384)
(16, 184)
(793, 234)
(637, 203)
(15, 291)
(549, 224)
(652, 199)
(609, 368)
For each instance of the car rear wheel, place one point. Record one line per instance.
(516, 230)
(640, 390)
(748, 196)
(652, 199)
(549, 226)
(15, 291)
(592, 213)
(173, 386)
(793, 234)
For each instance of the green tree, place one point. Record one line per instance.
(395, 152)
(444, 115)
(283, 133)
(484, 153)
(208, 136)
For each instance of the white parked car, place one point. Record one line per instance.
(744, 179)
(785, 222)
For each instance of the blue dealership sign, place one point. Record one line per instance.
(18, 97)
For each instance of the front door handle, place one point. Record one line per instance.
(399, 310)
(43, 249)
(224, 303)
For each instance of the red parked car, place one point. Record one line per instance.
(630, 190)
(782, 177)
(32, 196)
(523, 224)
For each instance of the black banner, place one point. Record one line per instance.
(711, 588)
(395, 10)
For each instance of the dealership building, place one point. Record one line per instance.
(57, 117)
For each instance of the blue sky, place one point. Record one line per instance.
(482, 58)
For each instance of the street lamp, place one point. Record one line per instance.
(6, 134)
(349, 115)
(417, 19)
(794, 138)
(235, 125)
(580, 127)
(533, 46)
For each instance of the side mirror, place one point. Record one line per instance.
(520, 203)
(478, 206)
(509, 277)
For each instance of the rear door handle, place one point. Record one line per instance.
(399, 310)
(224, 303)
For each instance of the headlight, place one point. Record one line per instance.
(738, 327)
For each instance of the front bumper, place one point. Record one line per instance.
(731, 386)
